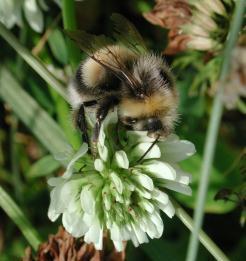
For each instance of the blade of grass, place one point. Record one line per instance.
(17, 216)
(213, 128)
(34, 62)
(69, 22)
(28, 110)
(207, 242)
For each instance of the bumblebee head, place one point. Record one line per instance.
(156, 110)
(155, 114)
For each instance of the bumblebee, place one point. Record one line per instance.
(121, 73)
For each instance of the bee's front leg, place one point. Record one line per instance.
(82, 125)
(102, 111)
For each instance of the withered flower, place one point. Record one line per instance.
(193, 25)
(63, 246)
(171, 14)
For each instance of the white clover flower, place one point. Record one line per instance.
(118, 193)
(208, 7)
(193, 25)
(202, 43)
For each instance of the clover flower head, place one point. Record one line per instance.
(120, 192)
(193, 25)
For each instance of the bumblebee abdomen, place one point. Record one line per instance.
(93, 80)
(94, 74)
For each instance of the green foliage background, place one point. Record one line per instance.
(36, 124)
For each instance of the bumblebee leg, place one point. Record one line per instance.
(81, 123)
(90, 103)
(103, 109)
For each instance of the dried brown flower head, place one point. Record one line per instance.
(171, 14)
(62, 246)
(192, 25)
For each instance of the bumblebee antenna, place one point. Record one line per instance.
(149, 149)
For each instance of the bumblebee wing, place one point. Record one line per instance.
(127, 34)
(94, 45)
(89, 43)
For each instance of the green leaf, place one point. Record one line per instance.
(58, 47)
(27, 109)
(241, 105)
(43, 167)
(159, 250)
(190, 105)
(187, 59)
(17, 216)
(208, 74)
(143, 6)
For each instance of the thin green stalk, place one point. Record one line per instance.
(208, 243)
(34, 62)
(212, 133)
(17, 216)
(69, 22)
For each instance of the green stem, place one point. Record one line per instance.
(208, 243)
(34, 62)
(212, 132)
(69, 22)
(17, 216)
